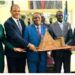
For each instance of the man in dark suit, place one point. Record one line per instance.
(14, 28)
(72, 41)
(60, 28)
(33, 33)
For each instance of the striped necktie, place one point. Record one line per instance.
(38, 30)
(19, 26)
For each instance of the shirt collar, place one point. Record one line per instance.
(60, 22)
(37, 26)
(15, 19)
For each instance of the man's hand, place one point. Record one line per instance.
(19, 50)
(32, 47)
(72, 47)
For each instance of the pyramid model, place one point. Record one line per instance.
(48, 43)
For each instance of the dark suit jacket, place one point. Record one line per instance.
(56, 32)
(72, 41)
(14, 36)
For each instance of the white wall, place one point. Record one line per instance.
(5, 9)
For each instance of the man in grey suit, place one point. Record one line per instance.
(60, 28)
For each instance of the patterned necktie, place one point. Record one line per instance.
(19, 26)
(38, 30)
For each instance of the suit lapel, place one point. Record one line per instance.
(35, 30)
(42, 30)
(65, 29)
(15, 25)
(57, 30)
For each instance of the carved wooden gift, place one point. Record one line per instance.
(48, 43)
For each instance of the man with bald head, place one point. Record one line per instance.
(14, 27)
(33, 33)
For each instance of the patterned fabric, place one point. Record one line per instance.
(38, 30)
(19, 26)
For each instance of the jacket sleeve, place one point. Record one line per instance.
(72, 41)
(7, 44)
(52, 33)
(2, 38)
(26, 34)
(1, 32)
(69, 36)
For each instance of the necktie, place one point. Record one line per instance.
(19, 26)
(38, 30)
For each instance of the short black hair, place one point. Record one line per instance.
(58, 12)
(13, 6)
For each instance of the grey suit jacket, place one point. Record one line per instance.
(57, 30)
(66, 33)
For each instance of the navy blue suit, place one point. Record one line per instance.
(15, 60)
(36, 60)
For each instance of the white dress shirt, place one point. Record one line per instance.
(61, 25)
(15, 20)
(18, 23)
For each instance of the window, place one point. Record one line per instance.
(46, 4)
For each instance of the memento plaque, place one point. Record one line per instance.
(48, 43)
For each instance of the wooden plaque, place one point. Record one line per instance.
(48, 43)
